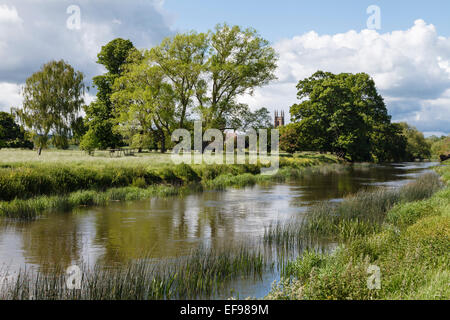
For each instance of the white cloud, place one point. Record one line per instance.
(411, 69)
(33, 32)
(9, 96)
(9, 15)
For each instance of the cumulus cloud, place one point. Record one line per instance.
(33, 32)
(10, 95)
(9, 15)
(411, 69)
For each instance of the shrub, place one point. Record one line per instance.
(168, 176)
(186, 173)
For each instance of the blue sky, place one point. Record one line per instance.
(287, 18)
(408, 57)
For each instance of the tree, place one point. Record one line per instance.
(145, 104)
(52, 98)
(181, 60)
(439, 146)
(417, 147)
(289, 138)
(100, 114)
(11, 134)
(79, 129)
(343, 114)
(243, 119)
(208, 72)
(388, 143)
(240, 60)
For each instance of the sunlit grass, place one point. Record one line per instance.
(410, 245)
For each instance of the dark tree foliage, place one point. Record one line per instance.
(100, 114)
(11, 134)
(344, 114)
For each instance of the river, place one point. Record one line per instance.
(163, 228)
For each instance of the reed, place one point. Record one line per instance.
(358, 215)
(410, 244)
(201, 274)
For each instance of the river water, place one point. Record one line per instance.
(164, 228)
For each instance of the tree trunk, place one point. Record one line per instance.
(163, 143)
(39, 151)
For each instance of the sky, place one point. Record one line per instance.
(406, 50)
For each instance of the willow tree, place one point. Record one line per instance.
(52, 99)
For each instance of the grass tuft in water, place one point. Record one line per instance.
(201, 274)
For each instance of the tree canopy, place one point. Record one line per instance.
(100, 113)
(439, 146)
(52, 99)
(208, 72)
(191, 76)
(417, 146)
(344, 114)
(11, 134)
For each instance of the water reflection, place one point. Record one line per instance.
(165, 228)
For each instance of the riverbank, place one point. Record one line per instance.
(29, 188)
(409, 245)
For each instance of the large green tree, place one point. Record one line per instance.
(52, 99)
(11, 134)
(208, 72)
(145, 105)
(343, 113)
(240, 60)
(181, 60)
(439, 146)
(100, 114)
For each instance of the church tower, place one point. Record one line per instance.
(279, 119)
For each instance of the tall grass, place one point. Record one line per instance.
(412, 254)
(410, 243)
(31, 208)
(201, 274)
(358, 215)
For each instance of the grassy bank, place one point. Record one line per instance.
(201, 274)
(357, 215)
(409, 242)
(29, 188)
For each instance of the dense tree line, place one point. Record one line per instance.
(147, 94)
(440, 146)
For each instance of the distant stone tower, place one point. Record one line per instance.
(279, 119)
